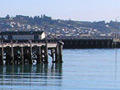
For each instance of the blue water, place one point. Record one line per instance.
(83, 69)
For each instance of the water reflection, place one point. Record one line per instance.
(30, 76)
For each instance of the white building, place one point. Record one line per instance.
(22, 35)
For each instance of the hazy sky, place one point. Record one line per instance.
(82, 10)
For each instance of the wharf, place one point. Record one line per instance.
(30, 52)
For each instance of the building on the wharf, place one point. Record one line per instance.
(22, 35)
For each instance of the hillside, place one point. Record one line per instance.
(56, 28)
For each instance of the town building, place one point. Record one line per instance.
(22, 35)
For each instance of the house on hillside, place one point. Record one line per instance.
(22, 35)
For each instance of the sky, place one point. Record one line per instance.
(80, 10)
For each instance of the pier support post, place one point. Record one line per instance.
(16, 59)
(39, 59)
(46, 52)
(42, 53)
(52, 54)
(27, 56)
(2, 53)
(31, 60)
(58, 52)
(12, 52)
(22, 55)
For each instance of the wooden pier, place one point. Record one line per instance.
(29, 52)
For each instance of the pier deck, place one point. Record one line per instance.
(49, 45)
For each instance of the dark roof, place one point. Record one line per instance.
(21, 32)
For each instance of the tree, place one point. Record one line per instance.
(7, 17)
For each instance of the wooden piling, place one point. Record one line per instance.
(52, 54)
(22, 56)
(16, 59)
(26, 54)
(57, 54)
(60, 52)
(46, 52)
(2, 54)
(12, 53)
(42, 53)
(39, 59)
(31, 60)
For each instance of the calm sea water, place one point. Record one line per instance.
(83, 69)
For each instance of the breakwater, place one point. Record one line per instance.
(89, 43)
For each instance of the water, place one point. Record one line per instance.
(83, 69)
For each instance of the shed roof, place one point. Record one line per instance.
(21, 32)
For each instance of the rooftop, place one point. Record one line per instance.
(20, 32)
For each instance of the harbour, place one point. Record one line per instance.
(92, 69)
(60, 45)
(35, 62)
